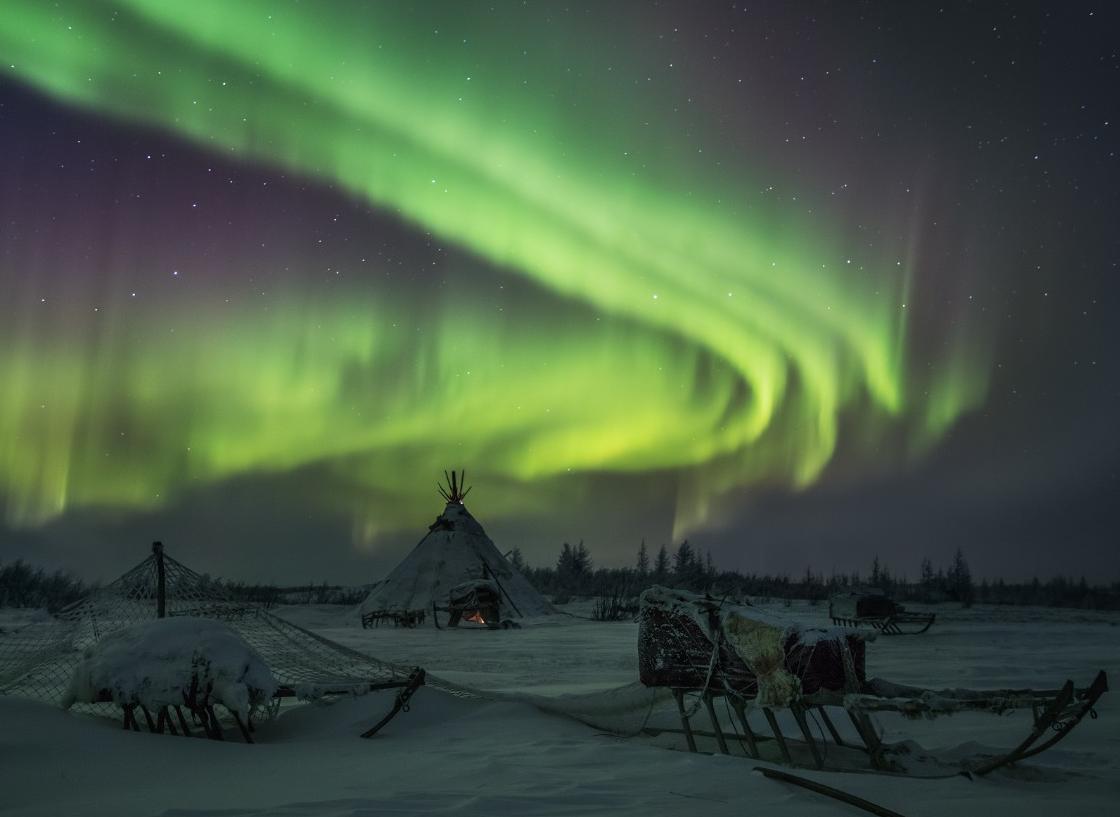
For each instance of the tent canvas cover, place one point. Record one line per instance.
(455, 550)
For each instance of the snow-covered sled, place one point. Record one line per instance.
(875, 609)
(171, 664)
(705, 650)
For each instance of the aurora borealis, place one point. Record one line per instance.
(340, 247)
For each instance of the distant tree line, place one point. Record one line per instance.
(270, 595)
(22, 585)
(689, 568)
(617, 588)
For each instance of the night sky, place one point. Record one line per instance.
(803, 283)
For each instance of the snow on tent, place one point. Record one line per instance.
(455, 570)
(40, 660)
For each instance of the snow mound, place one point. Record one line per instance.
(170, 661)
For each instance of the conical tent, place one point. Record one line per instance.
(38, 661)
(455, 551)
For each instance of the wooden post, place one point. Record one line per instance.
(778, 736)
(148, 717)
(831, 726)
(803, 724)
(740, 710)
(679, 695)
(183, 722)
(869, 737)
(715, 724)
(161, 580)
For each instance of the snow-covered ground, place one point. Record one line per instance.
(466, 757)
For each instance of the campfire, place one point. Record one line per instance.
(477, 601)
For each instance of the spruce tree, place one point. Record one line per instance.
(661, 566)
(643, 561)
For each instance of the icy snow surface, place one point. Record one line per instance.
(469, 757)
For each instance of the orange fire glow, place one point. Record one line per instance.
(476, 617)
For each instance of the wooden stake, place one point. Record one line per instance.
(183, 722)
(715, 724)
(741, 711)
(148, 718)
(830, 725)
(679, 695)
(161, 580)
(799, 715)
(244, 732)
(778, 736)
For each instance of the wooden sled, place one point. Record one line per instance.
(202, 712)
(677, 650)
(877, 611)
(898, 624)
(1056, 713)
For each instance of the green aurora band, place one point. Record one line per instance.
(691, 334)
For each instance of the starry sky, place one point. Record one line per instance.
(803, 283)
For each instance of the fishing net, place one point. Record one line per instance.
(734, 655)
(38, 660)
(703, 650)
(686, 642)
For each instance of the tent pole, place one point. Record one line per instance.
(161, 580)
(494, 576)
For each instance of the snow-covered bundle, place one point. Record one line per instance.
(172, 662)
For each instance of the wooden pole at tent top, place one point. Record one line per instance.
(161, 580)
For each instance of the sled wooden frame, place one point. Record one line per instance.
(205, 718)
(407, 690)
(399, 618)
(895, 624)
(171, 720)
(1055, 711)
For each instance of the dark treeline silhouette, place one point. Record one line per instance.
(687, 567)
(22, 585)
(616, 588)
(270, 595)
